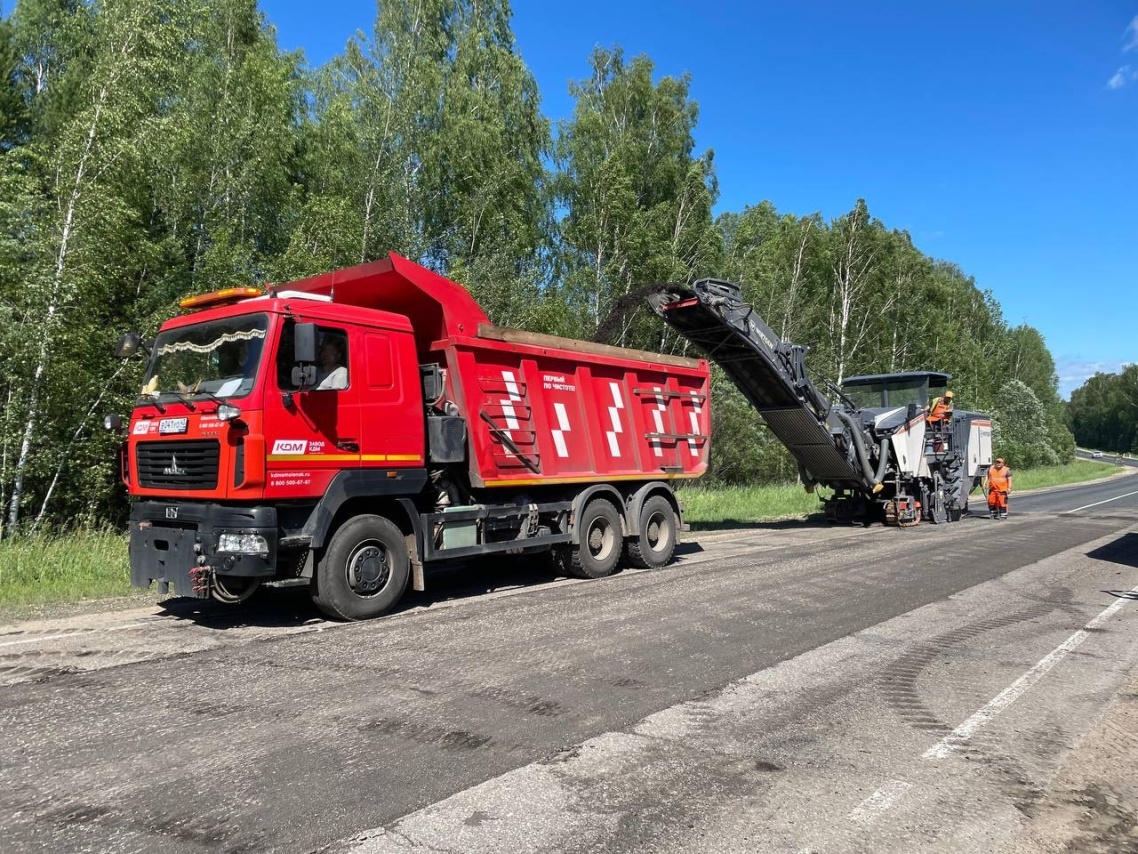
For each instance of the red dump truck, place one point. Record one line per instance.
(348, 430)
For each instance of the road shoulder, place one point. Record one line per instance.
(1092, 804)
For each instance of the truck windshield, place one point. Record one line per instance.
(219, 357)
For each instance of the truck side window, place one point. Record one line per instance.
(331, 359)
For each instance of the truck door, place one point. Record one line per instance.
(311, 435)
(391, 405)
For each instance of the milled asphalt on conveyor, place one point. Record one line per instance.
(273, 733)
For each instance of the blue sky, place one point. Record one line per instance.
(1002, 136)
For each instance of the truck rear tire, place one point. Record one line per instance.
(364, 569)
(655, 544)
(597, 550)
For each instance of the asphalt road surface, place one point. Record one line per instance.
(787, 687)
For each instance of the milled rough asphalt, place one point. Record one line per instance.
(775, 689)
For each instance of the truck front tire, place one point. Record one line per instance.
(654, 545)
(364, 570)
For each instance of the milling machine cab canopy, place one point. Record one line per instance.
(879, 391)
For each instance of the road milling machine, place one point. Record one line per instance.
(872, 441)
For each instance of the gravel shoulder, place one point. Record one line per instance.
(1092, 805)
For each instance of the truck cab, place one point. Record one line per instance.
(233, 437)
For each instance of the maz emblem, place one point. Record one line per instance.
(173, 467)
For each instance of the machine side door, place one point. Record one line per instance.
(312, 434)
(391, 404)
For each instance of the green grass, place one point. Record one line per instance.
(1076, 472)
(63, 568)
(712, 507)
(708, 507)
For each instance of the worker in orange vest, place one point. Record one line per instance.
(999, 486)
(941, 408)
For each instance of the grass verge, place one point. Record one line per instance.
(708, 507)
(63, 568)
(1076, 472)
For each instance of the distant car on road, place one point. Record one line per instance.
(1096, 455)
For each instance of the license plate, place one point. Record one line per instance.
(172, 425)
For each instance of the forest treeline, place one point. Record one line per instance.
(1103, 412)
(151, 149)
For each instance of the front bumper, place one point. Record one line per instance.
(175, 544)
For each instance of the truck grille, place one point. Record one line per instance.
(178, 465)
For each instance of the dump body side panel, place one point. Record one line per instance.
(542, 415)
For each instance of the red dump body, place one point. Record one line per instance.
(540, 409)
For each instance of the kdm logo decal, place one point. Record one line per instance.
(290, 446)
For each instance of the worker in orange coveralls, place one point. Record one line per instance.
(941, 408)
(999, 485)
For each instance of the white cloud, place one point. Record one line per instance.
(1121, 77)
(1131, 33)
(1073, 371)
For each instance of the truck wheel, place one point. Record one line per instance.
(364, 570)
(597, 549)
(657, 539)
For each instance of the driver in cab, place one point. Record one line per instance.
(331, 375)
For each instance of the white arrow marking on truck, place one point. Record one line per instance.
(658, 418)
(511, 414)
(514, 397)
(614, 414)
(698, 410)
(563, 428)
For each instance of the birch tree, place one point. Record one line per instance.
(637, 198)
(855, 256)
(128, 43)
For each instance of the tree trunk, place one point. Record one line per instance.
(63, 457)
(49, 317)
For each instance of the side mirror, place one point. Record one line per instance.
(113, 423)
(128, 345)
(304, 344)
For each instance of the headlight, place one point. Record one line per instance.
(228, 412)
(243, 544)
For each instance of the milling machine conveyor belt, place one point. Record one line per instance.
(768, 371)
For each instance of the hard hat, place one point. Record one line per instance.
(948, 394)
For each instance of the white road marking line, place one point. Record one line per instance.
(42, 638)
(88, 633)
(1009, 695)
(879, 801)
(1105, 501)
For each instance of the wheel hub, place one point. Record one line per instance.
(368, 570)
(600, 539)
(596, 539)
